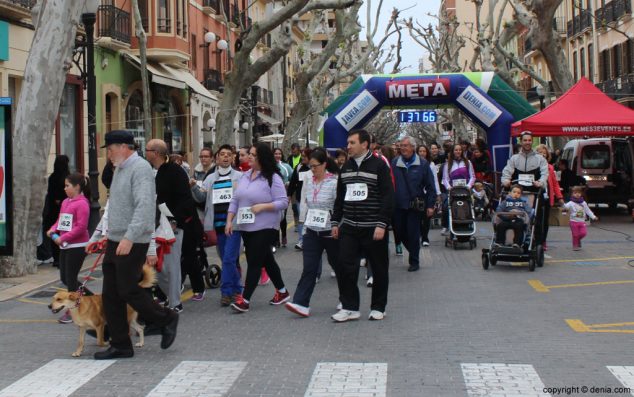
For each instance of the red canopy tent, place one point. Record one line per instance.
(582, 111)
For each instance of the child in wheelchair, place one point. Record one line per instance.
(514, 213)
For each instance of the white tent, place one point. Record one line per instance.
(271, 138)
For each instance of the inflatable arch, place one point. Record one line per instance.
(483, 97)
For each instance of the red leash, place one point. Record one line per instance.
(92, 248)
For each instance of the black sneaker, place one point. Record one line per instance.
(178, 308)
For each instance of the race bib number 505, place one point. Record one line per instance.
(356, 192)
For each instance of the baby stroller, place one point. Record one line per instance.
(462, 226)
(482, 206)
(528, 251)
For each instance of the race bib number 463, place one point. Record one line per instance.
(222, 195)
(356, 192)
(65, 222)
(245, 216)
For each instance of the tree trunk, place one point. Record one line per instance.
(147, 107)
(37, 109)
(299, 115)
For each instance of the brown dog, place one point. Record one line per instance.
(88, 312)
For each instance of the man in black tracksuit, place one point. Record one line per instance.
(361, 214)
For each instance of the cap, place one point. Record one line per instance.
(119, 136)
(526, 132)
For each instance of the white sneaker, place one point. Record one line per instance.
(297, 309)
(376, 315)
(346, 315)
(333, 275)
(425, 244)
(339, 306)
(370, 282)
(274, 249)
(444, 231)
(363, 262)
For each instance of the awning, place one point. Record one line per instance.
(190, 80)
(159, 74)
(268, 119)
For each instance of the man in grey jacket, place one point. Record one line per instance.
(530, 170)
(131, 222)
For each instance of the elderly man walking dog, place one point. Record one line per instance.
(131, 222)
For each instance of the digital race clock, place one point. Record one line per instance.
(417, 116)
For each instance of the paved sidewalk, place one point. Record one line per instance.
(11, 288)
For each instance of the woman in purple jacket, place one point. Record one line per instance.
(70, 232)
(457, 171)
(256, 208)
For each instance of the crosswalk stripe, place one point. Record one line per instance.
(625, 375)
(348, 379)
(199, 378)
(486, 379)
(59, 378)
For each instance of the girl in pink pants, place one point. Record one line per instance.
(578, 209)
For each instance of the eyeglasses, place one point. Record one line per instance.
(313, 166)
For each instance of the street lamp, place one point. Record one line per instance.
(88, 19)
(541, 94)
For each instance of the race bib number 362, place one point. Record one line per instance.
(245, 216)
(65, 222)
(356, 192)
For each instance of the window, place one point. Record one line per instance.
(616, 61)
(595, 157)
(194, 51)
(605, 65)
(68, 131)
(582, 61)
(181, 18)
(574, 65)
(591, 62)
(628, 53)
(163, 20)
(143, 10)
(134, 119)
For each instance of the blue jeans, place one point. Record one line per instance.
(314, 246)
(229, 250)
(300, 228)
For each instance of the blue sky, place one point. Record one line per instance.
(418, 9)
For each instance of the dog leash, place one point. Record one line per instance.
(92, 248)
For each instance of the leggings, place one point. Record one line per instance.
(70, 262)
(259, 255)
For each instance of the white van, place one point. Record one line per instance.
(607, 166)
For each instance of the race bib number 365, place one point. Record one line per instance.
(65, 222)
(317, 218)
(245, 216)
(356, 192)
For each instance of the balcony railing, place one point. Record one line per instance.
(213, 4)
(618, 87)
(16, 9)
(613, 11)
(580, 23)
(558, 25)
(114, 23)
(213, 80)
(235, 14)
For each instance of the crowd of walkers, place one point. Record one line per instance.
(163, 213)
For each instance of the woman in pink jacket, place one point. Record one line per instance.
(70, 232)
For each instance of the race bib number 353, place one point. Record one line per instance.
(356, 192)
(245, 216)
